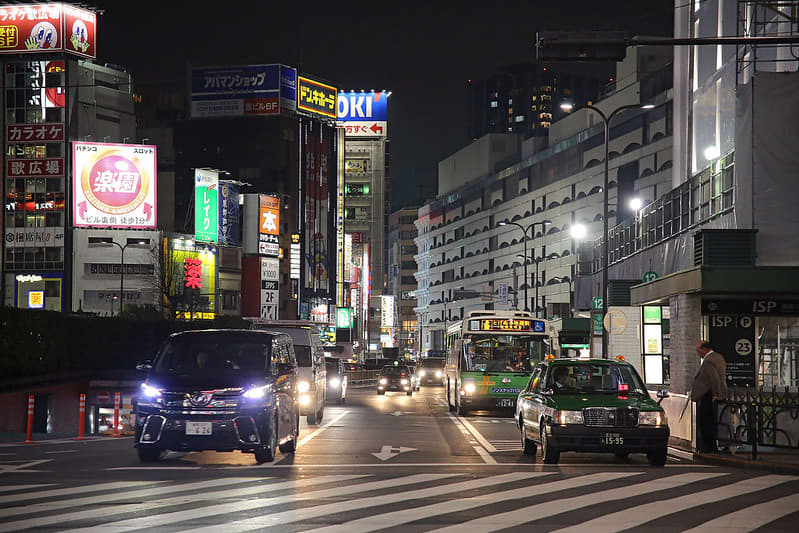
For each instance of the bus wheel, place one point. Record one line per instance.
(462, 411)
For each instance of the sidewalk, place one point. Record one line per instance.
(772, 460)
(12, 438)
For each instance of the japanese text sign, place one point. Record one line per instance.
(242, 90)
(22, 168)
(270, 215)
(229, 227)
(114, 185)
(359, 106)
(53, 26)
(505, 324)
(35, 133)
(316, 98)
(206, 205)
(192, 273)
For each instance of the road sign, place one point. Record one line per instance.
(596, 303)
(596, 319)
(503, 292)
(103, 397)
(650, 276)
(615, 322)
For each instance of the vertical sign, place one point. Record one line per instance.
(229, 227)
(340, 218)
(295, 257)
(270, 294)
(733, 336)
(206, 205)
(503, 293)
(269, 226)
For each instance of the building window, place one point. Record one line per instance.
(493, 103)
(518, 118)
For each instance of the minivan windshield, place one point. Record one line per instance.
(432, 363)
(217, 352)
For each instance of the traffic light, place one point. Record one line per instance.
(581, 46)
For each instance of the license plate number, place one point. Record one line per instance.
(198, 428)
(611, 439)
(506, 402)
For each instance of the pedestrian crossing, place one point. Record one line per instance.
(446, 501)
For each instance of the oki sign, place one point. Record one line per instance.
(114, 185)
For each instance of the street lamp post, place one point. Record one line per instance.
(524, 240)
(606, 120)
(110, 241)
(536, 260)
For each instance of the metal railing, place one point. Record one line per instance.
(759, 417)
(362, 378)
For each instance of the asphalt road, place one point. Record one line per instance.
(382, 463)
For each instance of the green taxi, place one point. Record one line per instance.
(590, 405)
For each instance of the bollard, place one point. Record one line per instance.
(116, 415)
(81, 416)
(29, 438)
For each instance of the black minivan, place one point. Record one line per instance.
(220, 390)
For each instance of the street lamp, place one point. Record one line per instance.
(536, 261)
(566, 106)
(524, 240)
(108, 241)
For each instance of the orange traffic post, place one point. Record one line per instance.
(116, 415)
(81, 416)
(29, 438)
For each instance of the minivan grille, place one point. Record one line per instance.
(610, 417)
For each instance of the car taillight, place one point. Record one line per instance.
(624, 387)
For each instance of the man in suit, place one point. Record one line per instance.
(710, 383)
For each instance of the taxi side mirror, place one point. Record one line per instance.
(547, 392)
(144, 366)
(662, 394)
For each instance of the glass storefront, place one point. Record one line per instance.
(778, 351)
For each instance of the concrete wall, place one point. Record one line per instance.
(475, 160)
(62, 401)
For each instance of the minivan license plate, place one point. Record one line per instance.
(198, 428)
(611, 439)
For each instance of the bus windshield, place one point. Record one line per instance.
(503, 353)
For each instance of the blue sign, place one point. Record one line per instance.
(288, 88)
(211, 83)
(229, 227)
(357, 106)
(538, 326)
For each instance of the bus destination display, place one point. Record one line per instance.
(506, 325)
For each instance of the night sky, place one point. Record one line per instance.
(422, 51)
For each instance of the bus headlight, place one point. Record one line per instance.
(438, 373)
(469, 388)
(303, 386)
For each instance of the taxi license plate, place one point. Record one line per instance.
(506, 402)
(611, 439)
(198, 428)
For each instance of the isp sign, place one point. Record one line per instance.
(357, 106)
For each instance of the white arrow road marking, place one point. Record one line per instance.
(391, 451)
(400, 413)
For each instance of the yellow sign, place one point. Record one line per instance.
(506, 324)
(316, 98)
(35, 299)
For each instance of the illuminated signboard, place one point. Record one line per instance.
(507, 324)
(229, 227)
(206, 205)
(363, 114)
(340, 219)
(193, 273)
(268, 225)
(344, 317)
(48, 27)
(36, 300)
(114, 185)
(316, 98)
(387, 311)
(246, 90)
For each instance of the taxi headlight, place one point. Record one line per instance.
(438, 373)
(404, 381)
(469, 388)
(303, 386)
(335, 382)
(383, 381)
(568, 417)
(652, 418)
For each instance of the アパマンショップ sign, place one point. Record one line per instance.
(114, 185)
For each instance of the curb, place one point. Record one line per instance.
(748, 464)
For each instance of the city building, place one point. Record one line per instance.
(401, 280)
(42, 119)
(525, 98)
(364, 117)
(463, 247)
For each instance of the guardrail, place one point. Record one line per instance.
(362, 378)
(759, 417)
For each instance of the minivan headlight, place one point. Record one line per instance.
(383, 381)
(303, 386)
(149, 392)
(652, 418)
(256, 393)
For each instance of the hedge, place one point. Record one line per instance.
(34, 343)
